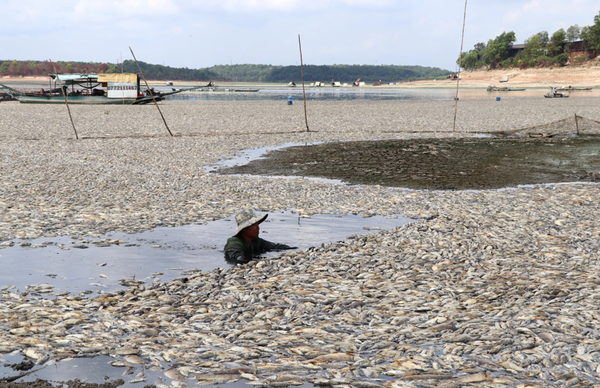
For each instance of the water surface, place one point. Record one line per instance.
(91, 265)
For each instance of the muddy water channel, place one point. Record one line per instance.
(438, 164)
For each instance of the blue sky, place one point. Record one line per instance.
(203, 33)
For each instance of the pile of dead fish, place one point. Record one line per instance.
(507, 299)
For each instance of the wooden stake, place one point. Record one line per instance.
(150, 91)
(303, 91)
(65, 96)
(459, 60)
(576, 123)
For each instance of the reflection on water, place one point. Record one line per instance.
(375, 94)
(98, 370)
(94, 265)
(314, 94)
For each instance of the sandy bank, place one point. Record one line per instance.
(583, 76)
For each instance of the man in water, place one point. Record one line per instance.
(245, 242)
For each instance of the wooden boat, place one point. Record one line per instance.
(503, 89)
(92, 89)
(228, 90)
(556, 95)
(572, 89)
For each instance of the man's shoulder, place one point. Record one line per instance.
(260, 240)
(234, 241)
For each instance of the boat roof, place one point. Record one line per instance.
(70, 79)
(74, 78)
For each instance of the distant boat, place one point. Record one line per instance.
(503, 89)
(572, 89)
(228, 90)
(555, 95)
(92, 89)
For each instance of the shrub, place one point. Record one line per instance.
(543, 60)
(580, 59)
(508, 62)
(562, 59)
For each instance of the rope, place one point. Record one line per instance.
(459, 61)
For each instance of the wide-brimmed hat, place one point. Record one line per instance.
(247, 218)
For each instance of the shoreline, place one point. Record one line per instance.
(579, 76)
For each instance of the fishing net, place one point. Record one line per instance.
(576, 125)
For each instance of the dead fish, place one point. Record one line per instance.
(547, 337)
(118, 364)
(134, 359)
(364, 384)
(174, 374)
(33, 353)
(444, 326)
(347, 357)
(125, 351)
(474, 378)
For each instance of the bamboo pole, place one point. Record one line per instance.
(65, 97)
(303, 91)
(150, 91)
(459, 61)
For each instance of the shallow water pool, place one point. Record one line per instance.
(98, 265)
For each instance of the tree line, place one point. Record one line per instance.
(16, 68)
(325, 73)
(239, 73)
(539, 50)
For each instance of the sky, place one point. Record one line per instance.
(203, 33)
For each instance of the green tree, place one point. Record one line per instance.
(591, 40)
(112, 68)
(533, 47)
(497, 50)
(557, 42)
(573, 33)
(4, 68)
(470, 61)
(543, 38)
(479, 47)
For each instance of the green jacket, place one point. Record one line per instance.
(238, 250)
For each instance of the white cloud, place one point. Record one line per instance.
(288, 5)
(424, 32)
(118, 8)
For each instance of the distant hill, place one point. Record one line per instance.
(325, 73)
(237, 73)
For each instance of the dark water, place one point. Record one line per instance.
(437, 164)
